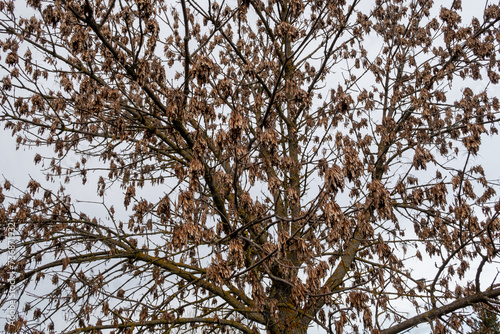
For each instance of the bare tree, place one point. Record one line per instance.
(309, 154)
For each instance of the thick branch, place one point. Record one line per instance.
(179, 321)
(443, 310)
(174, 269)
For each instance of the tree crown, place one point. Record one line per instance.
(281, 164)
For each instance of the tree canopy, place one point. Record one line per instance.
(486, 323)
(280, 165)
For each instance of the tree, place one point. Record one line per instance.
(486, 322)
(283, 164)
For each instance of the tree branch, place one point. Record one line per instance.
(443, 310)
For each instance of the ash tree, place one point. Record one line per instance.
(281, 166)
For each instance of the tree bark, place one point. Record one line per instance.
(445, 309)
